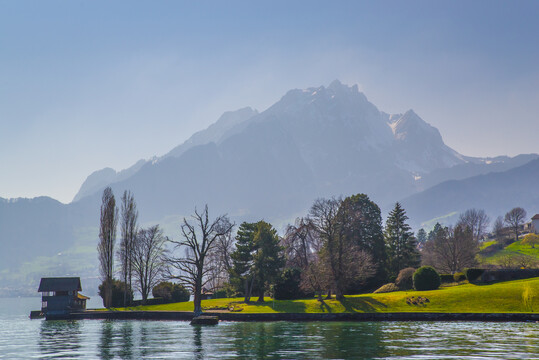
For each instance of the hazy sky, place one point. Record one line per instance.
(91, 84)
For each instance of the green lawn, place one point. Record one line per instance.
(510, 296)
(515, 249)
(486, 244)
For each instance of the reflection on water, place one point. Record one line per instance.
(282, 340)
(305, 340)
(197, 340)
(60, 338)
(21, 338)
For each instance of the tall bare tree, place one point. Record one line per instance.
(107, 238)
(302, 249)
(476, 220)
(199, 239)
(497, 227)
(451, 249)
(514, 218)
(149, 267)
(128, 228)
(342, 258)
(220, 261)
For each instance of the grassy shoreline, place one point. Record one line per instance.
(518, 296)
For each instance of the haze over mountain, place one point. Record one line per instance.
(315, 142)
(496, 192)
(332, 137)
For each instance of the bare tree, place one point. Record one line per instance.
(128, 228)
(498, 227)
(302, 248)
(514, 218)
(451, 249)
(476, 220)
(220, 261)
(147, 252)
(344, 262)
(107, 237)
(198, 241)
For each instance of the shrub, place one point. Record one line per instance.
(447, 278)
(118, 288)
(219, 294)
(426, 278)
(171, 292)
(473, 274)
(405, 279)
(459, 277)
(288, 286)
(387, 288)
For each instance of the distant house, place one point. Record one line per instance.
(206, 294)
(535, 223)
(60, 296)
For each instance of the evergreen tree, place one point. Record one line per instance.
(435, 231)
(401, 245)
(363, 226)
(242, 259)
(268, 259)
(421, 237)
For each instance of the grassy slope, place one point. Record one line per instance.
(513, 249)
(511, 296)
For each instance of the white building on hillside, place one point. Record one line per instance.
(535, 224)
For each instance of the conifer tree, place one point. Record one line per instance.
(269, 258)
(421, 237)
(242, 258)
(400, 243)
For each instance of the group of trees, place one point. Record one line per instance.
(341, 246)
(452, 249)
(140, 253)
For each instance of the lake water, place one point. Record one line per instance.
(21, 338)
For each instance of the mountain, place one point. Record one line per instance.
(314, 142)
(419, 146)
(229, 122)
(272, 165)
(474, 167)
(101, 178)
(496, 192)
(340, 140)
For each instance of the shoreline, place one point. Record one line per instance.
(302, 317)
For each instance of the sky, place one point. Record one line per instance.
(86, 85)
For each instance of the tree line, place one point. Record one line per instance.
(340, 247)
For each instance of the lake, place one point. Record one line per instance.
(21, 338)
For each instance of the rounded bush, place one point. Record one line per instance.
(171, 292)
(426, 278)
(118, 289)
(387, 288)
(405, 279)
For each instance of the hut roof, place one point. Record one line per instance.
(60, 284)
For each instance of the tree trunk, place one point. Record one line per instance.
(329, 294)
(247, 291)
(261, 295)
(108, 293)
